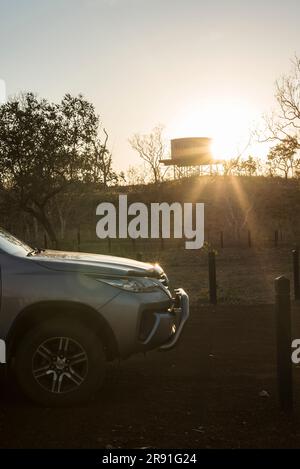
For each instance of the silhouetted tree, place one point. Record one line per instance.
(241, 167)
(151, 149)
(250, 166)
(230, 166)
(283, 158)
(101, 170)
(45, 147)
(284, 121)
(136, 175)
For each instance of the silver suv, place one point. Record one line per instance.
(64, 314)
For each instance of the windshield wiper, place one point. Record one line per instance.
(35, 251)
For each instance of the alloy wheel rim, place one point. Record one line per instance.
(60, 365)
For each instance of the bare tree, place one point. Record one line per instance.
(284, 122)
(151, 149)
(101, 162)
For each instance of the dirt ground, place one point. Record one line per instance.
(203, 394)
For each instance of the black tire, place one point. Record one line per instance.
(73, 370)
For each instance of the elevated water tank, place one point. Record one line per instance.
(190, 151)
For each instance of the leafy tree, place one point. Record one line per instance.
(283, 158)
(45, 147)
(238, 166)
(250, 166)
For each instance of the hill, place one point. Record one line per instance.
(234, 205)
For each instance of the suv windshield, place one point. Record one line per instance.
(12, 245)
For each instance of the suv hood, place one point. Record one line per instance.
(95, 264)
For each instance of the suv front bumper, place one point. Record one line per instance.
(182, 312)
(168, 325)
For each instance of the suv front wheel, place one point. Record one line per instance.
(60, 362)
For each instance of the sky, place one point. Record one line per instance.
(201, 68)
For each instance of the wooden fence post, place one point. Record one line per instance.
(212, 278)
(283, 335)
(295, 254)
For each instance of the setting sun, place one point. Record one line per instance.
(228, 123)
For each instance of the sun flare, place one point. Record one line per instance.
(228, 123)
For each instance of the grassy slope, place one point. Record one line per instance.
(232, 204)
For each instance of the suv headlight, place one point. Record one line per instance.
(133, 285)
